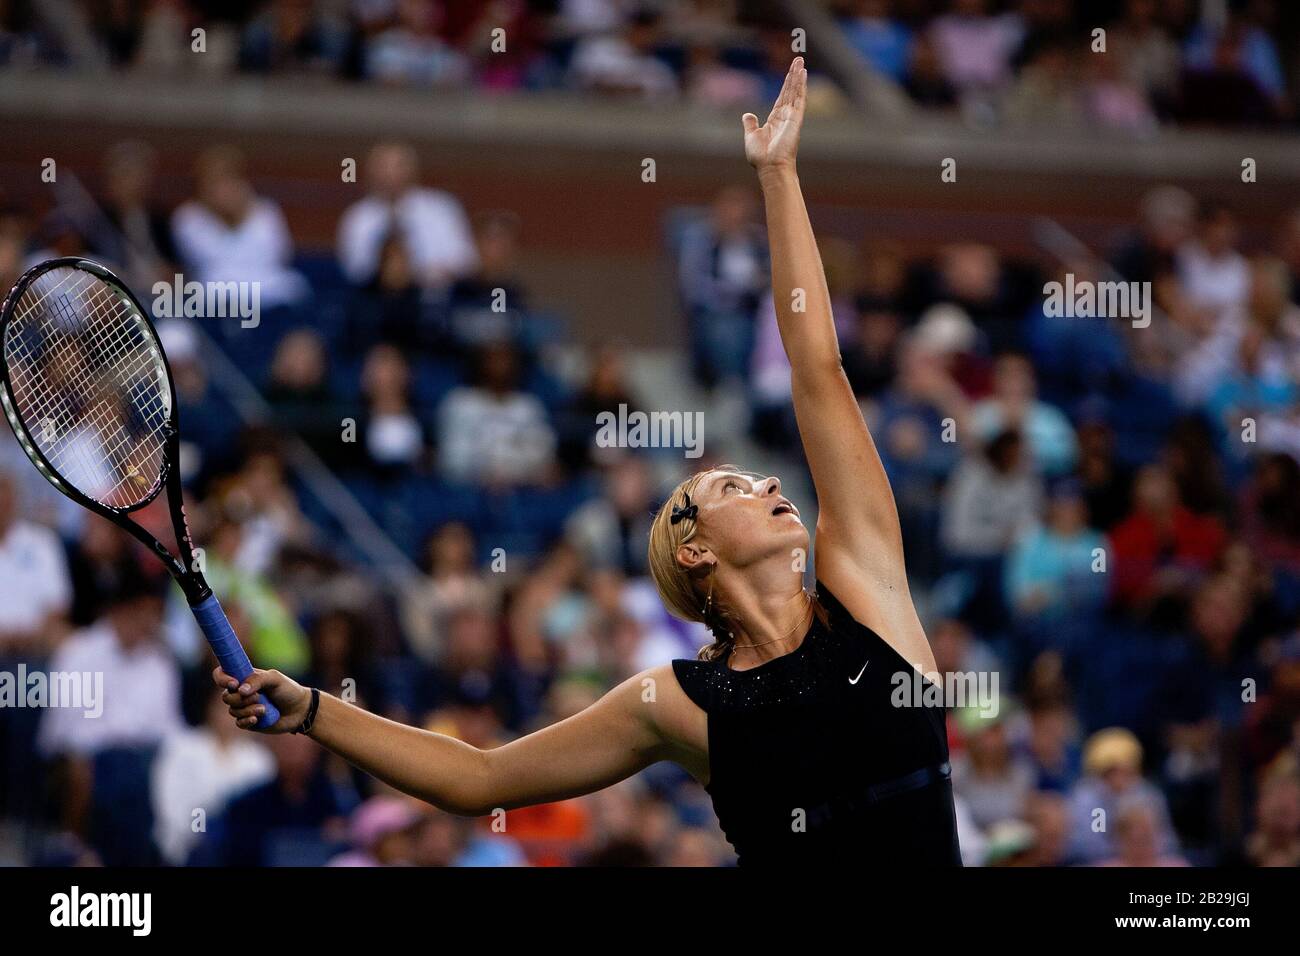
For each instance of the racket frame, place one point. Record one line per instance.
(181, 567)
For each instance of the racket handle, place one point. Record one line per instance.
(225, 643)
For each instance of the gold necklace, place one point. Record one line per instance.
(804, 592)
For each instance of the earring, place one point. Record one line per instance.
(708, 601)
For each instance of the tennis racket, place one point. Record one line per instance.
(88, 392)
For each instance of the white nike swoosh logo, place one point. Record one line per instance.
(854, 680)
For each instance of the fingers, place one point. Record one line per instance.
(241, 697)
(252, 710)
(259, 682)
(792, 88)
(750, 122)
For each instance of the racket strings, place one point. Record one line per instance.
(91, 386)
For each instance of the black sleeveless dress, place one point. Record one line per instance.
(811, 763)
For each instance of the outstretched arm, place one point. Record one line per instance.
(859, 550)
(612, 739)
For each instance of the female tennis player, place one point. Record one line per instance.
(787, 717)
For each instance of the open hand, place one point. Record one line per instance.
(775, 143)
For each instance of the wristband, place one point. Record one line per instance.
(305, 726)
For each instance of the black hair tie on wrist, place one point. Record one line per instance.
(310, 719)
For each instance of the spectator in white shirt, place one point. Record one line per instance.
(140, 704)
(201, 769)
(624, 62)
(227, 233)
(430, 222)
(976, 47)
(1213, 273)
(492, 433)
(35, 592)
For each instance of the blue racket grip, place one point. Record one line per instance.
(215, 627)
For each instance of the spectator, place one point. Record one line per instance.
(233, 560)
(1047, 91)
(624, 62)
(711, 82)
(1161, 550)
(429, 222)
(294, 817)
(1168, 216)
(453, 582)
(299, 390)
(927, 82)
(393, 435)
(604, 389)
(917, 416)
(1052, 575)
(35, 593)
(1015, 404)
(412, 52)
(1113, 782)
(1107, 482)
(1113, 100)
(1270, 512)
(1275, 840)
(1245, 49)
(1053, 747)
(975, 47)
(382, 832)
(990, 777)
(881, 39)
(293, 36)
(390, 308)
(1149, 56)
(1048, 814)
(441, 839)
(196, 772)
(611, 530)
(1214, 274)
(140, 239)
(491, 432)
(227, 233)
(992, 499)
(722, 272)
(1248, 365)
(125, 646)
(1138, 833)
(486, 304)
(211, 432)
(100, 563)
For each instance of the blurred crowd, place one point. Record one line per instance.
(995, 61)
(1103, 512)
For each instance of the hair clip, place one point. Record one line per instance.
(690, 511)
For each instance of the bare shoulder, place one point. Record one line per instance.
(656, 697)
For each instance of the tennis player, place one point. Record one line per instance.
(787, 717)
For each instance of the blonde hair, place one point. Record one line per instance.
(677, 589)
(1111, 748)
(673, 581)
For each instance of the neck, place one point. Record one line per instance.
(768, 610)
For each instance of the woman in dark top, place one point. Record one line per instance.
(795, 717)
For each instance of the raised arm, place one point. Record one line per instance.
(859, 545)
(621, 733)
